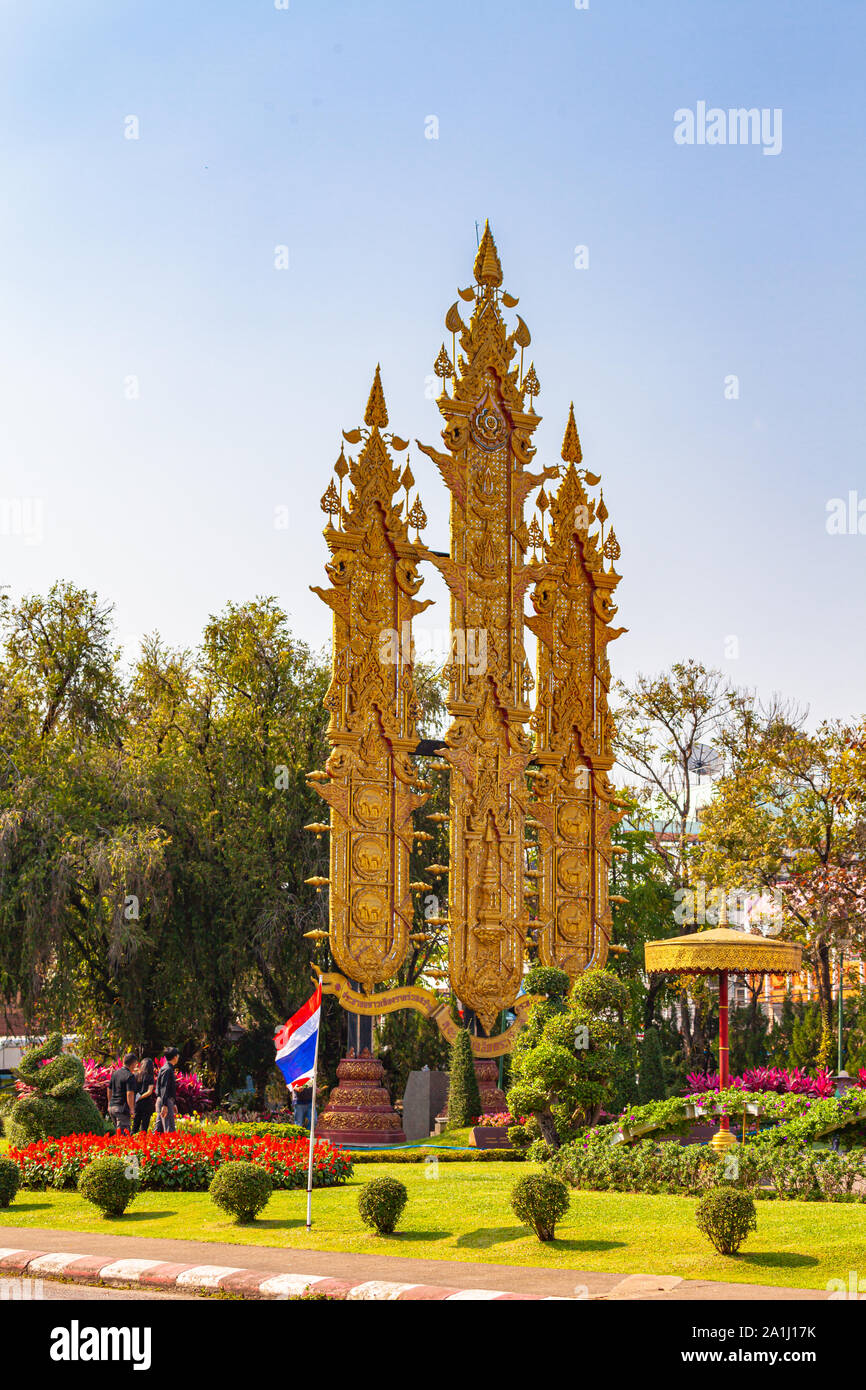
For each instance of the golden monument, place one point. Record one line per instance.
(371, 779)
(574, 802)
(513, 769)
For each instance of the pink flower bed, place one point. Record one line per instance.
(778, 1079)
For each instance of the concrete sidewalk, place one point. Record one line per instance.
(245, 1268)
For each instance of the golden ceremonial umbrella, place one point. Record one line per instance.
(720, 951)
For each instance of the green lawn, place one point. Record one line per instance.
(463, 1214)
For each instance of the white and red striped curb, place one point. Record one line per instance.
(247, 1283)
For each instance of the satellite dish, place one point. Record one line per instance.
(705, 761)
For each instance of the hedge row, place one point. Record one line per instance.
(787, 1170)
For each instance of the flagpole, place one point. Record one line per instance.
(313, 1127)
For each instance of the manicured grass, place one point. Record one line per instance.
(464, 1214)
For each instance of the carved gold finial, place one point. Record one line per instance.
(531, 386)
(376, 413)
(571, 450)
(487, 269)
(611, 548)
(442, 366)
(417, 517)
(330, 502)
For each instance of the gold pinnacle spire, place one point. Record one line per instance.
(376, 412)
(571, 450)
(487, 269)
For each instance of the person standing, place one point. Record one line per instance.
(145, 1102)
(121, 1094)
(303, 1106)
(166, 1093)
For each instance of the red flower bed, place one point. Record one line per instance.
(179, 1162)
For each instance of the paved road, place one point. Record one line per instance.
(51, 1292)
(568, 1283)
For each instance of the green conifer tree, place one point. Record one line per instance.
(464, 1100)
(651, 1083)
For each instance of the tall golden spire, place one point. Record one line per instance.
(376, 412)
(574, 802)
(571, 450)
(371, 780)
(488, 438)
(487, 269)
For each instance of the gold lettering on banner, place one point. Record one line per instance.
(432, 1006)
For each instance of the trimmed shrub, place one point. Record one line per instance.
(725, 1216)
(381, 1204)
(54, 1100)
(540, 1200)
(547, 981)
(242, 1189)
(107, 1183)
(9, 1180)
(464, 1100)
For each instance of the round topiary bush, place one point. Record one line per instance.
(107, 1183)
(9, 1181)
(242, 1189)
(725, 1216)
(540, 1200)
(381, 1204)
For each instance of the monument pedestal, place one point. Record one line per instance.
(359, 1109)
(493, 1100)
(423, 1098)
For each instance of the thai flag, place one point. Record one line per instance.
(296, 1043)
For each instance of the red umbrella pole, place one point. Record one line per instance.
(724, 1073)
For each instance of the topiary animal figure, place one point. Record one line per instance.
(58, 1104)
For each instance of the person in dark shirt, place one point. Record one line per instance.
(121, 1094)
(145, 1102)
(303, 1106)
(166, 1093)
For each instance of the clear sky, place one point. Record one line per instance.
(153, 259)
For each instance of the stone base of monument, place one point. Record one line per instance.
(423, 1098)
(493, 1100)
(359, 1109)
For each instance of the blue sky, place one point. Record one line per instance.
(153, 259)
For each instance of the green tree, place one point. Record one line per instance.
(651, 1083)
(464, 1100)
(574, 1054)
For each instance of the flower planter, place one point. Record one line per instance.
(489, 1137)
